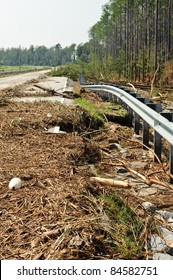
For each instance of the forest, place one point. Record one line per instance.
(132, 40)
(134, 37)
(37, 56)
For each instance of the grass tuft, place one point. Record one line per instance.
(127, 226)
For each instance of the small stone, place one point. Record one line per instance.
(157, 243)
(167, 236)
(147, 191)
(166, 214)
(161, 256)
(149, 206)
(169, 251)
(15, 184)
(138, 165)
(121, 170)
(142, 154)
(170, 222)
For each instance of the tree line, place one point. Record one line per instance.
(132, 40)
(37, 56)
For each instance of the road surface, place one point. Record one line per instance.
(12, 81)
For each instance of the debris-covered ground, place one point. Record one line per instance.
(60, 213)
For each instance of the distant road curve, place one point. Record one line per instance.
(12, 81)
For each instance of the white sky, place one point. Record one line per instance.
(47, 22)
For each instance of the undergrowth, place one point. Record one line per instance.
(127, 227)
(93, 110)
(70, 70)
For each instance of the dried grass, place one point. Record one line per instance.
(54, 215)
(58, 214)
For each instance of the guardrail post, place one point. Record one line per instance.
(145, 126)
(157, 136)
(115, 99)
(110, 96)
(120, 101)
(144, 100)
(169, 116)
(104, 95)
(130, 112)
(145, 134)
(137, 124)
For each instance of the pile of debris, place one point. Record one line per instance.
(62, 211)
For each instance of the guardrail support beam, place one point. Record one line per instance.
(115, 99)
(145, 135)
(130, 112)
(137, 124)
(157, 137)
(169, 117)
(110, 96)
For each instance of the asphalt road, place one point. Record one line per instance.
(11, 81)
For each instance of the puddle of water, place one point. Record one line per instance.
(59, 99)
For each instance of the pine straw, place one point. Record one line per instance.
(55, 215)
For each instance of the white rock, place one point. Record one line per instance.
(15, 184)
(170, 222)
(49, 115)
(167, 236)
(149, 206)
(157, 243)
(161, 256)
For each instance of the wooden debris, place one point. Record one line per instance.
(132, 87)
(55, 92)
(110, 182)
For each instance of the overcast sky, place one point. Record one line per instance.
(47, 22)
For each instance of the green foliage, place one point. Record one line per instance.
(130, 38)
(127, 227)
(70, 70)
(39, 55)
(93, 109)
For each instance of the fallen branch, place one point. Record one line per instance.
(147, 180)
(55, 92)
(51, 91)
(132, 87)
(111, 182)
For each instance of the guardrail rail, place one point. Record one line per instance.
(140, 108)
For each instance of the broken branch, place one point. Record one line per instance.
(111, 182)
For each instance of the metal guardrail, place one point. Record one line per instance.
(140, 108)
